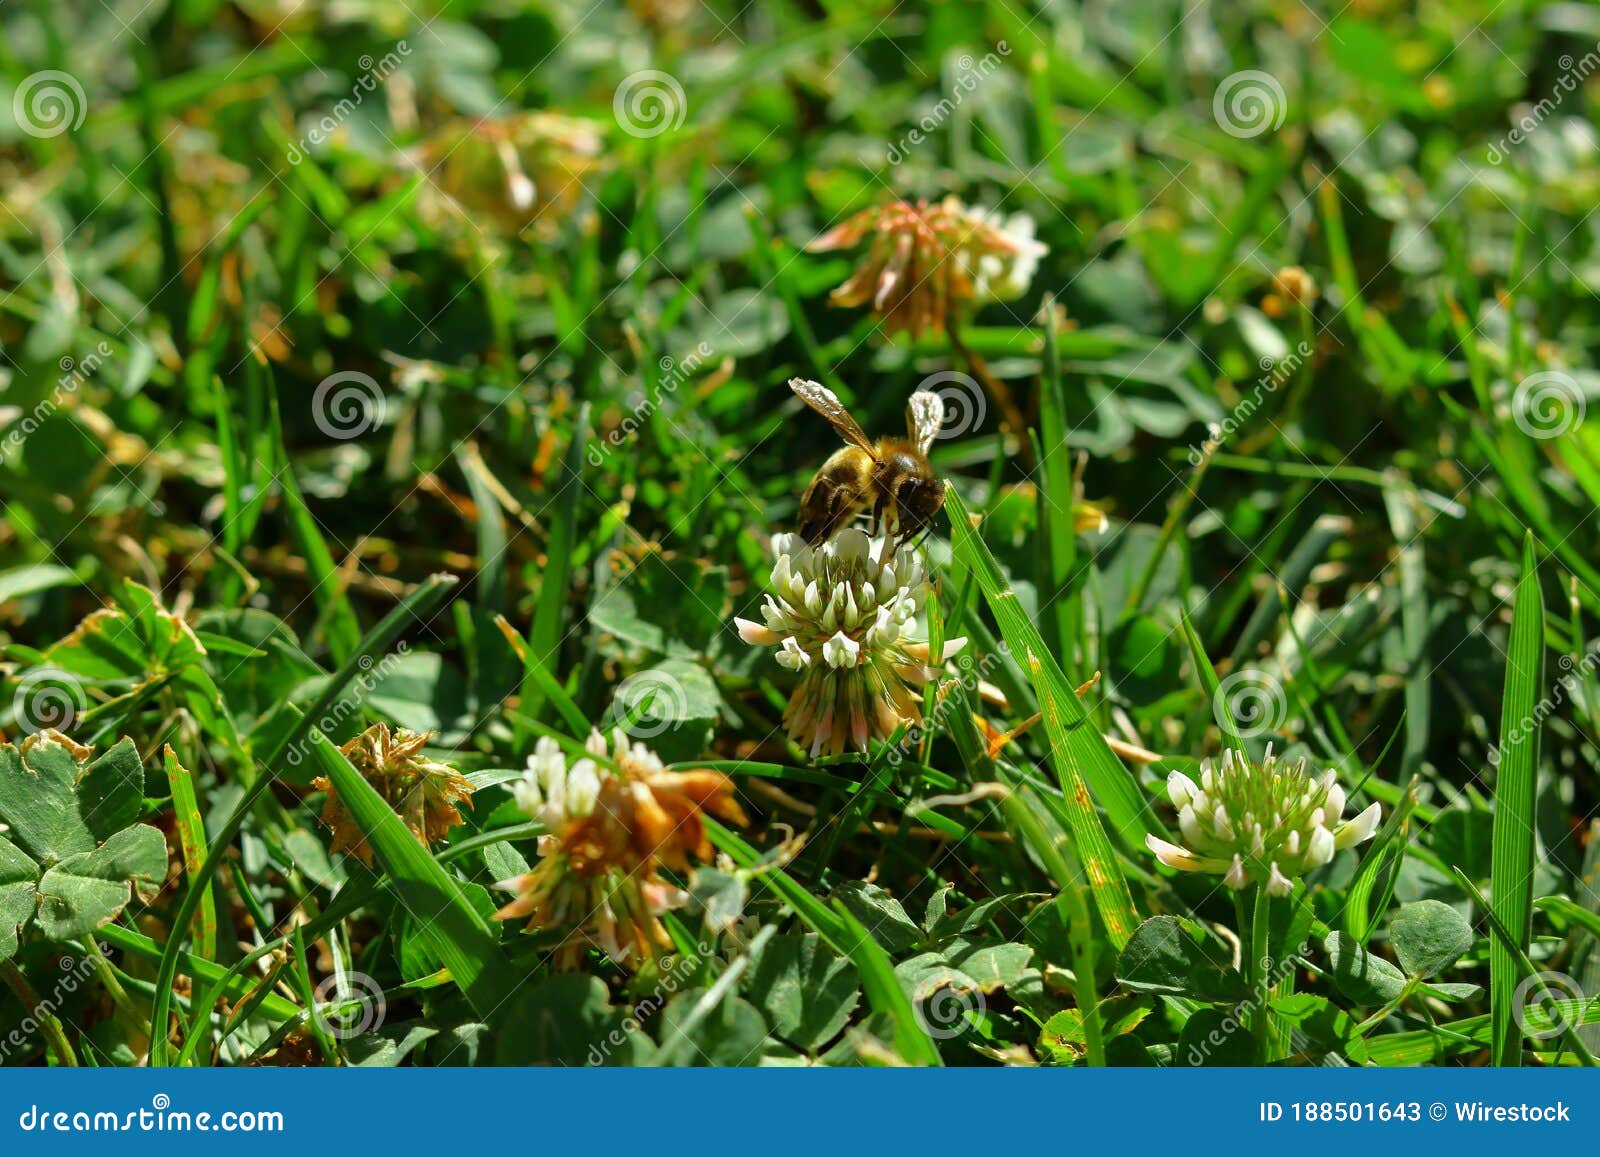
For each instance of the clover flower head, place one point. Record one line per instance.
(1260, 823)
(846, 616)
(423, 791)
(528, 168)
(926, 263)
(616, 818)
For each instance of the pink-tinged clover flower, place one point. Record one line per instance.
(846, 616)
(928, 263)
(614, 819)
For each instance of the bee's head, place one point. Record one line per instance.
(918, 498)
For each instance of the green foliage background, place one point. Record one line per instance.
(1385, 559)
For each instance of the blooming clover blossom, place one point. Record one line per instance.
(845, 615)
(926, 263)
(424, 792)
(1266, 822)
(610, 831)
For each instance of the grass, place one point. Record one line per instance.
(428, 368)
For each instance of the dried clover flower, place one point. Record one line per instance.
(928, 263)
(527, 169)
(610, 833)
(1291, 286)
(422, 791)
(1260, 823)
(845, 615)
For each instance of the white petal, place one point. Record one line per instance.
(1190, 826)
(1171, 854)
(583, 785)
(755, 633)
(1181, 790)
(1277, 883)
(1360, 829)
(1236, 877)
(841, 651)
(1320, 849)
(793, 656)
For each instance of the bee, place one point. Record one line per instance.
(891, 476)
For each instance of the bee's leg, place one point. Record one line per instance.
(880, 515)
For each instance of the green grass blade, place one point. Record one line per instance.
(1085, 765)
(1511, 875)
(1382, 859)
(461, 938)
(549, 617)
(192, 844)
(884, 993)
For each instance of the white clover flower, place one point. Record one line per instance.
(1265, 823)
(846, 616)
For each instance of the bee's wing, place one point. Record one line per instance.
(924, 415)
(825, 402)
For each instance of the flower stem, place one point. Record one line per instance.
(1260, 967)
(107, 975)
(1010, 413)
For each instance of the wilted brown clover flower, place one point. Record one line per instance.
(422, 791)
(610, 832)
(927, 263)
(521, 170)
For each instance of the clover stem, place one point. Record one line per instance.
(55, 1036)
(118, 994)
(1010, 413)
